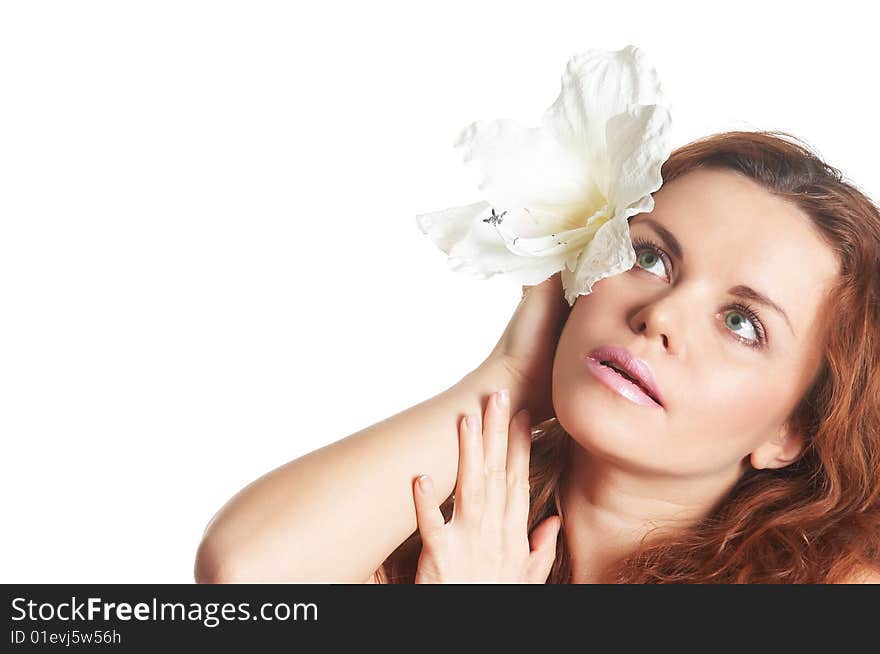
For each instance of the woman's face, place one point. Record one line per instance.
(724, 399)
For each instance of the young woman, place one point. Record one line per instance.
(745, 447)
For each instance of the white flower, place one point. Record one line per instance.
(558, 196)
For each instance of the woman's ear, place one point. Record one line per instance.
(778, 452)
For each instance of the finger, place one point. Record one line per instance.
(429, 518)
(495, 429)
(469, 488)
(543, 554)
(516, 512)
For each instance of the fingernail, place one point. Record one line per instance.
(424, 483)
(503, 397)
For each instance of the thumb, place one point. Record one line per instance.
(543, 546)
(429, 517)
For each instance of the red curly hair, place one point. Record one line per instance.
(816, 520)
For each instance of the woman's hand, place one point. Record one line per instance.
(524, 354)
(486, 541)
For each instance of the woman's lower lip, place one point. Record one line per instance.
(619, 384)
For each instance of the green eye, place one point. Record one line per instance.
(647, 262)
(647, 259)
(649, 255)
(738, 321)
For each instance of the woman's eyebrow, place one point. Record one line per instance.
(749, 293)
(667, 236)
(741, 290)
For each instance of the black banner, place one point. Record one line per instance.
(277, 617)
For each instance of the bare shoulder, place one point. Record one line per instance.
(865, 575)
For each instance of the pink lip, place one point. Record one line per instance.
(634, 367)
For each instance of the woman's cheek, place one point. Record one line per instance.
(728, 420)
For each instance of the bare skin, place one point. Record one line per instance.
(726, 403)
(633, 468)
(487, 539)
(295, 524)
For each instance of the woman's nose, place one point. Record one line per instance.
(658, 321)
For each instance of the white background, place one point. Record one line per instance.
(209, 261)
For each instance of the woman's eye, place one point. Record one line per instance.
(648, 259)
(735, 321)
(739, 320)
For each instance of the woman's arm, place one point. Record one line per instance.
(335, 514)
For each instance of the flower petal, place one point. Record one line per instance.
(476, 247)
(609, 253)
(566, 238)
(516, 166)
(638, 145)
(596, 86)
(450, 226)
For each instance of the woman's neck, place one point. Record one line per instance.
(609, 510)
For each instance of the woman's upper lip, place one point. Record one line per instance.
(635, 367)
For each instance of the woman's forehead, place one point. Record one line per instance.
(739, 218)
(735, 233)
(720, 196)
